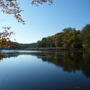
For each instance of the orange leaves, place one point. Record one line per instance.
(5, 38)
(18, 17)
(4, 43)
(12, 7)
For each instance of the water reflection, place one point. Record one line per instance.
(8, 55)
(14, 53)
(68, 61)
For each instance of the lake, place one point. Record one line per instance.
(44, 70)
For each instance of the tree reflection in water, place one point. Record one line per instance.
(68, 61)
(7, 55)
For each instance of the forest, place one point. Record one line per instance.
(68, 38)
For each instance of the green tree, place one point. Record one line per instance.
(59, 40)
(44, 42)
(68, 33)
(72, 38)
(76, 40)
(85, 34)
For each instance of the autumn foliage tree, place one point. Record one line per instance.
(12, 7)
(5, 41)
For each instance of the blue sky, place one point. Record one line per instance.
(47, 20)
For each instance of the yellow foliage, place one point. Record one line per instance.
(5, 38)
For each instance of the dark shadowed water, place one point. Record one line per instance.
(44, 70)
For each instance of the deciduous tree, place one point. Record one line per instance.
(12, 7)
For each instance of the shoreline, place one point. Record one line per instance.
(52, 49)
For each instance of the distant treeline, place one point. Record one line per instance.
(68, 38)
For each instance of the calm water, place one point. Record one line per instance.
(44, 70)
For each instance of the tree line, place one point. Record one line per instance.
(68, 38)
